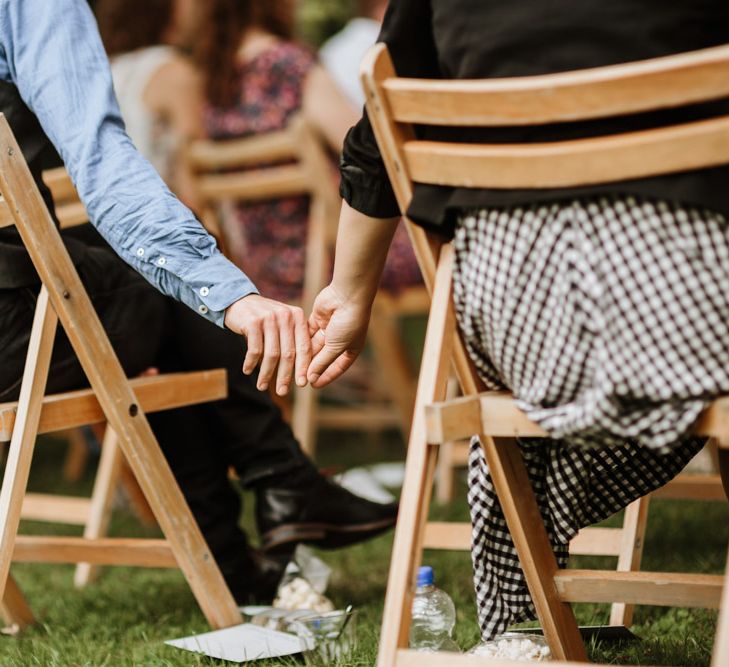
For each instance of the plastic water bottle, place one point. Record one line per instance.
(434, 616)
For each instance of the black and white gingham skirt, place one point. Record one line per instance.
(608, 319)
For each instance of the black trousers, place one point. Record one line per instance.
(147, 329)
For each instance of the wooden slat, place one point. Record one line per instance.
(714, 421)
(571, 163)
(412, 658)
(60, 185)
(500, 417)
(162, 392)
(665, 82)
(255, 185)
(651, 588)
(55, 509)
(364, 417)
(452, 536)
(693, 487)
(71, 214)
(596, 542)
(104, 551)
(271, 147)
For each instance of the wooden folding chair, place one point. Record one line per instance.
(293, 162)
(112, 398)
(394, 105)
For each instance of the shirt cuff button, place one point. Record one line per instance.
(204, 291)
(140, 252)
(203, 310)
(161, 261)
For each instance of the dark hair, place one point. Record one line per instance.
(127, 25)
(222, 26)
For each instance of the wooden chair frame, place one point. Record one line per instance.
(394, 105)
(63, 298)
(231, 171)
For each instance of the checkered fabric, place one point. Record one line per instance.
(608, 319)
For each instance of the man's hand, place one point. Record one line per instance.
(277, 337)
(338, 329)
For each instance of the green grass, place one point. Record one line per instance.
(123, 619)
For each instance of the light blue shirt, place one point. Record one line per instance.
(51, 50)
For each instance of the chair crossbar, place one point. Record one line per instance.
(664, 82)
(571, 163)
(137, 552)
(163, 392)
(270, 147)
(256, 184)
(56, 509)
(640, 587)
(496, 414)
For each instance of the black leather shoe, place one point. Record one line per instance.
(319, 512)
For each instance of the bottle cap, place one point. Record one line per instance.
(425, 576)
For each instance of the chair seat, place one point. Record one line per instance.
(161, 392)
(496, 414)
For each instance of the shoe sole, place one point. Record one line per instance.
(326, 536)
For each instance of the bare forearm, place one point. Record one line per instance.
(362, 245)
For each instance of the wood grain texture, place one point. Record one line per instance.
(660, 83)
(653, 588)
(78, 408)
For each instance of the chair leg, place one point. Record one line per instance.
(14, 608)
(631, 554)
(303, 419)
(419, 470)
(105, 486)
(391, 357)
(537, 559)
(22, 443)
(77, 455)
(135, 495)
(446, 458)
(720, 656)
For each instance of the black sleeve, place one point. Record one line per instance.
(407, 30)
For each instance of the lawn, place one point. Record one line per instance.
(123, 619)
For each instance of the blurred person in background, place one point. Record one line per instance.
(256, 78)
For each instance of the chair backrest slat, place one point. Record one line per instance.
(209, 155)
(256, 184)
(671, 81)
(666, 82)
(571, 163)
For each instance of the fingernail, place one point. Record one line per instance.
(263, 386)
(301, 381)
(282, 391)
(313, 377)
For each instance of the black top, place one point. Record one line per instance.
(473, 39)
(16, 268)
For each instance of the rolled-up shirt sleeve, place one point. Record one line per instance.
(408, 32)
(52, 52)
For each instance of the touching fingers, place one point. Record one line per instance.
(254, 337)
(335, 369)
(271, 352)
(287, 353)
(303, 347)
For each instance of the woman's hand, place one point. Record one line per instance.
(277, 337)
(338, 328)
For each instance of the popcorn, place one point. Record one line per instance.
(514, 647)
(299, 594)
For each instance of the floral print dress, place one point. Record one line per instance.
(268, 239)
